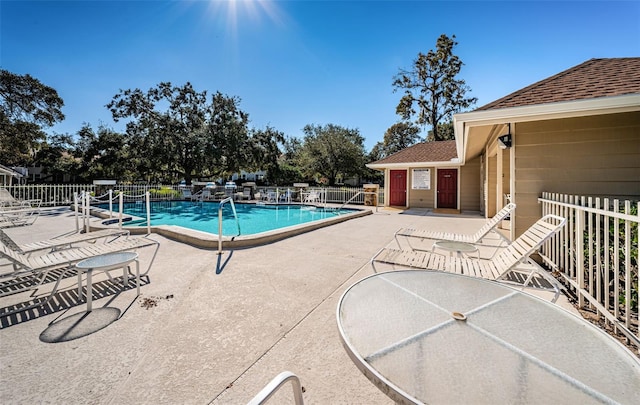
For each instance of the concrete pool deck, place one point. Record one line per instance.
(206, 329)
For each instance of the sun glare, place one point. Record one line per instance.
(234, 13)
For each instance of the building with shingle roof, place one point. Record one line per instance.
(8, 175)
(594, 78)
(424, 152)
(576, 132)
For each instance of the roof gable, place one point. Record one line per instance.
(592, 79)
(424, 152)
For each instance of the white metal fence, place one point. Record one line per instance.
(50, 195)
(597, 256)
(62, 194)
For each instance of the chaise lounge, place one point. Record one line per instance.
(476, 238)
(515, 258)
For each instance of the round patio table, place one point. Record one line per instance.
(459, 247)
(434, 337)
(106, 262)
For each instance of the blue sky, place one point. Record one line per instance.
(299, 62)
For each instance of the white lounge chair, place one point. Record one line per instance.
(30, 271)
(514, 258)
(11, 216)
(186, 194)
(287, 196)
(25, 263)
(271, 196)
(246, 193)
(475, 238)
(312, 196)
(60, 242)
(8, 200)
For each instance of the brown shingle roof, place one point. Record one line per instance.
(442, 151)
(591, 79)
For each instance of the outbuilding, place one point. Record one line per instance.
(577, 132)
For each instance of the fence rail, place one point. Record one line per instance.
(62, 194)
(597, 256)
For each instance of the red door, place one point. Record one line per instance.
(398, 188)
(448, 188)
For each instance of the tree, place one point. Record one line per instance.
(56, 158)
(332, 151)
(288, 170)
(377, 153)
(445, 132)
(399, 136)
(103, 154)
(265, 151)
(227, 143)
(191, 137)
(431, 91)
(26, 105)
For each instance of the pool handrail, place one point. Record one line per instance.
(235, 214)
(356, 195)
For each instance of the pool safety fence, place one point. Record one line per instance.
(84, 200)
(596, 256)
(53, 195)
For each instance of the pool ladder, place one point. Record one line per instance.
(235, 214)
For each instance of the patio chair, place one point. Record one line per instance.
(11, 216)
(8, 200)
(287, 196)
(515, 258)
(28, 272)
(271, 196)
(476, 238)
(202, 195)
(246, 193)
(311, 197)
(61, 242)
(186, 194)
(25, 263)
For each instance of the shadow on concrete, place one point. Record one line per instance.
(79, 325)
(42, 305)
(220, 265)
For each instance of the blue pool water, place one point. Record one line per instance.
(204, 216)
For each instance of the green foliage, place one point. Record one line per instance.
(633, 256)
(331, 151)
(399, 136)
(164, 193)
(432, 94)
(265, 150)
(633, 259)
(56, 158)
(445, 132)
(177, 132)
(103, 154)
(26, 105)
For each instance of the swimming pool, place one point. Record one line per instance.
(253, 218)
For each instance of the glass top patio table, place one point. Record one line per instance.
(434, 337)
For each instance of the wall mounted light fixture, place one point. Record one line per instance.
(504, 141)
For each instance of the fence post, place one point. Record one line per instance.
(110, 203)
(579, 247)
(589, 217)
(627, 265)
(120, 208)
(87, 202)
(616, 260)
(607, 258)
(147, 197)
(75, 206)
